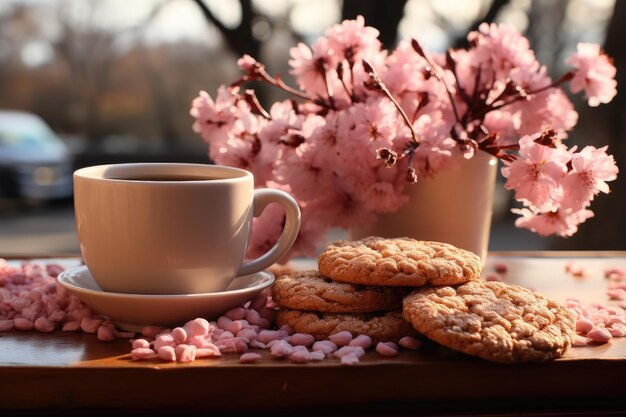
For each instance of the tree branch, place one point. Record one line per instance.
(214, 20)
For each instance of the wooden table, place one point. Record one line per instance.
(61, 371)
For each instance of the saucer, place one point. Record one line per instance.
(133, 311)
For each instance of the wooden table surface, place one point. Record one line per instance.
(61, 370)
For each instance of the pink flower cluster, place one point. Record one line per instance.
(367, 122)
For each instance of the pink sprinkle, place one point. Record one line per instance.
(287, 329)
(151, 331)
(387, 349)
(247, 334)
(302, 339)
(583, 325)
(580, 341)
(362, 340)
(235, 326)
(409, 342)
(178, 349)
(576, 269)
(71, 326)
(23, 324)
(188, 353)
(258, 303)
(350, 359)
(6, 325)
(281, 349)
(106, 333)
(225, 335)
(255, 344)
(264, 323)
(501, 268)
(252, 316)
(237, 313)
(493, 277)
(235, 344)
(42, 324)
(616, 294)
(143, 354)
(300, 356)
(324, 346)
(317, 355)
(57, 316)
(140, 343)
(615, 273)
(179, 335)
(208, 352)
(618, 330)
(250, 357)
(197, 327)
(342, 338)
(347, 350)
(573, 302)
(266, 336)
(167, 354)
(164, 339)
(223, 322)
(54, 270)
(197, 341)
(599, 335)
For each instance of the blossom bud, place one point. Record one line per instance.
(547, 138)
(411, 176)
(388, 156)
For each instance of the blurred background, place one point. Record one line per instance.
(108, 81)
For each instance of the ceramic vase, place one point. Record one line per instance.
(454, 206)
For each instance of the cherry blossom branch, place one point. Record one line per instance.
(377, 84)
(525, 94)
(340, 75)
(255, 106)
(321, 69)
(451, 63)
(422, 101)
(433, 70)
(255, 71)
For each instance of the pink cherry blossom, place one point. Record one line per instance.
(352, 40)
(421, 112)
(437, 147)
(247, 63)
(550, 223)
(312, 68)
(591, 168)
(502, 48)
(535, 175)
(595, 74)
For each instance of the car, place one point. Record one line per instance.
(34, 163)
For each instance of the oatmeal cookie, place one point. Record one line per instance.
(493, 320)
(389, 326)
(398, 262)
(310, 290)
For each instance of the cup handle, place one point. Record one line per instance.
(263, 197)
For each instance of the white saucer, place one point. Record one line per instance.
(133, 311)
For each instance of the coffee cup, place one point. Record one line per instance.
(168, 228)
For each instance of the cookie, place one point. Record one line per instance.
(310, 290)
(398, 262)
(496, 321)
(389, 326)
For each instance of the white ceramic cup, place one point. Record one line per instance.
(165, 228)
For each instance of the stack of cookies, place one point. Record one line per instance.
(391, 288)
(360, 285)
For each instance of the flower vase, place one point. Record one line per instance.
(454, 206)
